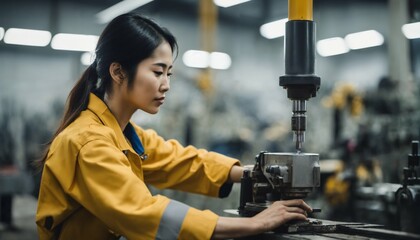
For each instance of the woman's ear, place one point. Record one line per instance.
(117, 73)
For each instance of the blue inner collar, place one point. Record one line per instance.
(134, 139)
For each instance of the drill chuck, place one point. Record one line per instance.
(299, 122)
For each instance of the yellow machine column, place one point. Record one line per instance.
(300, 10)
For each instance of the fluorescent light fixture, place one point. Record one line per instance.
(27, 37)
(331, 46)
(196, 59)
(87, 58)
(219, 60)
(411, 30)
(274, 29)
(1, 33)
(229, 3)
(74, 42)
(120, 8)
(365, 39)
(203, 59)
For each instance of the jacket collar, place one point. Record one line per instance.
(100, 109)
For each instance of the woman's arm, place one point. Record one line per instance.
(171, 165)
(277, 214)
(236, 173)
(105, 184)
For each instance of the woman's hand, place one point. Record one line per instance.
(281, 212)
(274, 216)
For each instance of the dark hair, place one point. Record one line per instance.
(128, 39)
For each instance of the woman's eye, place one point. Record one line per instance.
(157, 73)
(169, 75)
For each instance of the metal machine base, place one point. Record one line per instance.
(330, 230)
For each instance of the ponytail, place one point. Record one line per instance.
(77, 101)
(78, 98)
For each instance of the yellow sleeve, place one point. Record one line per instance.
(170, 165)
(106, 186)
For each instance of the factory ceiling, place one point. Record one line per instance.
(252, 13)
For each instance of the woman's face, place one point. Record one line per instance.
(151, 81)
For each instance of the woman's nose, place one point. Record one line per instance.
(165, 86)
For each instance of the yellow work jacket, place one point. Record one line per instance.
(94, 183)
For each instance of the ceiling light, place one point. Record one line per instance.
(331, 46)
(120, 8)
(219, 60)
(87, 58)
(1, 33)
(196, 59)
(74, 42)
(274, 29)
(411, 30)
(27, 37)
(229, 3)
(365, 39)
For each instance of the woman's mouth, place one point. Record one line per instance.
(161, 100)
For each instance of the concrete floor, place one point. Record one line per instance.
(24, 208)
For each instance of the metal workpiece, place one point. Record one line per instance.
(292, 175)
(278, 176)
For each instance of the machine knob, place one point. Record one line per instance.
(414, 158)
(415, 148)
(279, 173)
(275, 170)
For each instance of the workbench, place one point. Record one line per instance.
(330, 230)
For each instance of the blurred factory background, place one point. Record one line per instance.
(225, 94)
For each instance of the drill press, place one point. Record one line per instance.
(277, 176)
(299, 79)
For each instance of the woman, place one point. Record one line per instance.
(97, 166)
